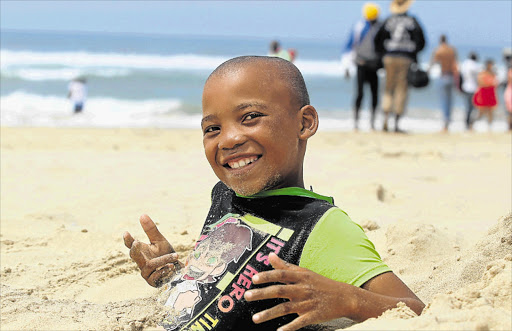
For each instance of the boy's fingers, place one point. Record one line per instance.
(277, 276)
(271, 292)
(136, 254)
(282, 309)
(128, 239)
(283, 272)
(158, 262)
(150, 229)
(158, 278)
(296, 324)
(279, 263)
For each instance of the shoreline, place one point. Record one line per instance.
(327, 124)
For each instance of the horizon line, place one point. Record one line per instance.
(214, 36)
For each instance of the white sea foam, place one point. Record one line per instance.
(23, 109)
(323, 68)
(22, 59)
(38, 74)
(33, 65)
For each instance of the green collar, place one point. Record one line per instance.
(294, 191)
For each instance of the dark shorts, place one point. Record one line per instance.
(78, 107)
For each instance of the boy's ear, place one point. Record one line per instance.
(309, 121)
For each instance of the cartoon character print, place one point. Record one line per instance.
(225, 243)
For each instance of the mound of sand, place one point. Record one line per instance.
(470, 291)
(484, 305)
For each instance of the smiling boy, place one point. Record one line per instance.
(306, 261)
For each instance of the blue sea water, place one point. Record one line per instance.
(157, 80)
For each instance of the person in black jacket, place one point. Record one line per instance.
(400, 38)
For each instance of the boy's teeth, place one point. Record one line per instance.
(241, 163)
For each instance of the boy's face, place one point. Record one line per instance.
(251, 130)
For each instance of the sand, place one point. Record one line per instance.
(437, 207)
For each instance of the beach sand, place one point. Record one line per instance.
(437, 207)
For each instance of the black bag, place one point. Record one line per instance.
(417, 77)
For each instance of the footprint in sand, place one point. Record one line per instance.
(383, 194)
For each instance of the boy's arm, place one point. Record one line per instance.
(317, 299)
(388, 288)
(156, 261)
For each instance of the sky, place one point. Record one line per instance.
(466, 22)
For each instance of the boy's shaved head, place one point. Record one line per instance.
(256, 123)
(285, 70)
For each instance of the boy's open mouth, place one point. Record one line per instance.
(241, 162)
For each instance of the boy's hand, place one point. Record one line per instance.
(157, 260)
(313, 297)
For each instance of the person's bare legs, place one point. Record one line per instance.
(489, 118)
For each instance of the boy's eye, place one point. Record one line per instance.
(197, 254)
(251, 116)
(211, 129)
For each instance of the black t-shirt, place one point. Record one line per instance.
(238, 235)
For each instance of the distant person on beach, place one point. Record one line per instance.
(400, 38)
(77, 93)
(293, 54)
(271, 253)
(507, 95)
(469, 70)
(446, 56)
(361, 44)
(277, 51)
(485, 99)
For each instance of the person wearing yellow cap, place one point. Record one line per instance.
(400, 38)
(360, 46)
(371, 11)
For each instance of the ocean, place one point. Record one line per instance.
(156, 80)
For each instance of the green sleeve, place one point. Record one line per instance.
(339, 249)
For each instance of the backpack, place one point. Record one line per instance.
(417, 77)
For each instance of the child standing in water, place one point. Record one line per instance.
(485, 97)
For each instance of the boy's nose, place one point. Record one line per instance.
(231, 138)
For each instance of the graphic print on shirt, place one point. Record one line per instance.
(226, 244)
(399, 28)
